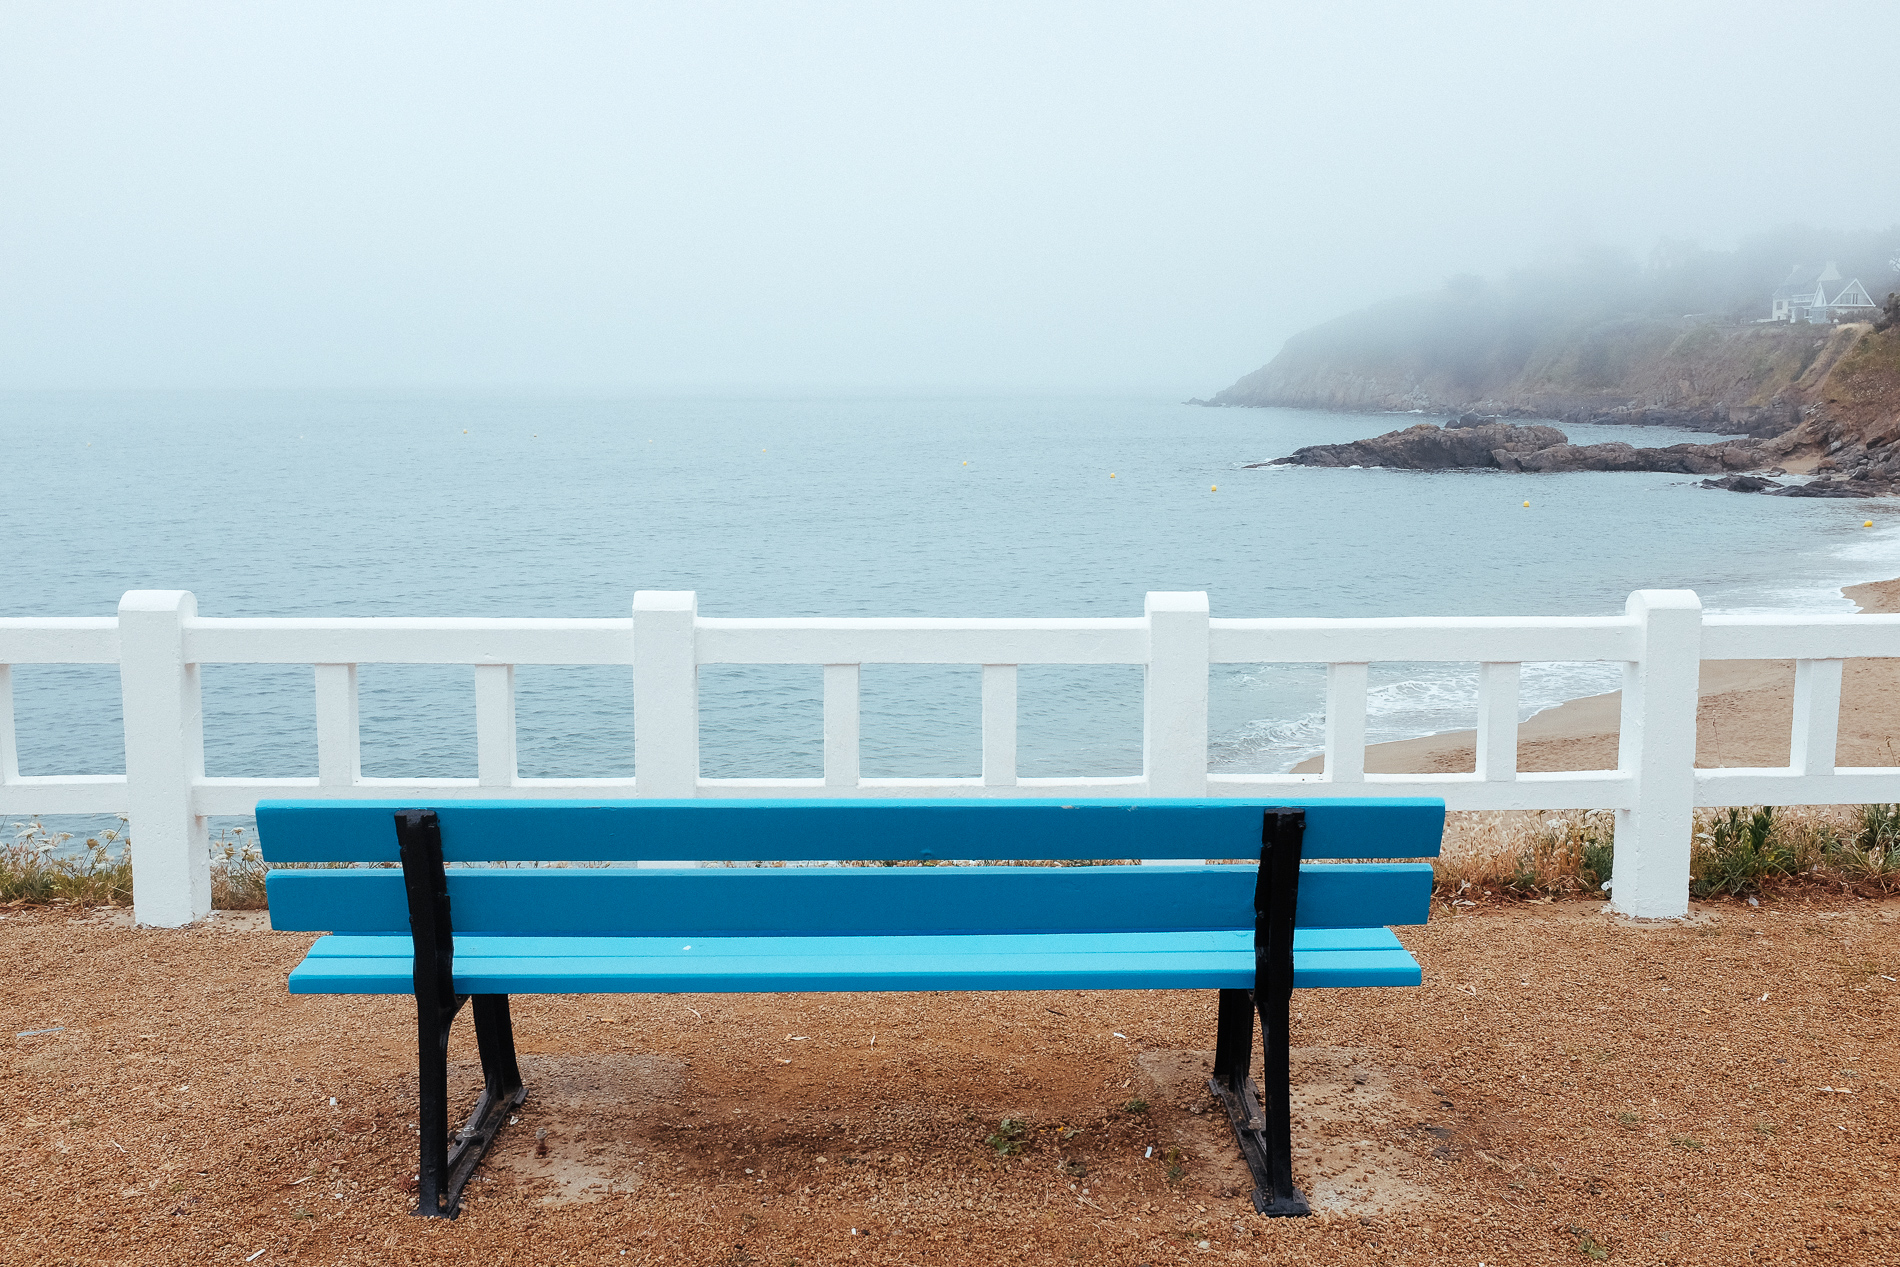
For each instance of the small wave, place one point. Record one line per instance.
(1425, 703)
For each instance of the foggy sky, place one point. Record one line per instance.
(626, 197)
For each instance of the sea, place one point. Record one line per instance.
(315, 504)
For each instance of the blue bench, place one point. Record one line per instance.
(449, 929)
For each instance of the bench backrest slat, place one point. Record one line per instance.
(749, 901)
(835, 830)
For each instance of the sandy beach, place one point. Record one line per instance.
(1746, 711)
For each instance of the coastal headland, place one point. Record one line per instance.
(1746, 712)
(1806, 400)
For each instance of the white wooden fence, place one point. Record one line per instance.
(158, 640)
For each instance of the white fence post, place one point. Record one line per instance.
(495, 761)
(9, 746)
(1346, 723)
(1497, 721)
(1174, 721)
(1656, 749)
(1817, 717)
(1174, 699)
(339, 733)
(999, 725)
(164, 757)
(841, 710)
(665, 697)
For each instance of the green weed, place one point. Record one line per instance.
(1736, 851)
(1588, 1245)
(1135, 1106)
(1008, 1138)
(1176, 1171)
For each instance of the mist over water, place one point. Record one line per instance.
(282, 505)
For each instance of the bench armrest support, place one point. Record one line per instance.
(442, 1172)
(1262, 1117)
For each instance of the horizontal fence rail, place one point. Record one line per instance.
(159, 641)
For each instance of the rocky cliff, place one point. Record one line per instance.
(1819, 400)
(1741, 379)
(1849, 427)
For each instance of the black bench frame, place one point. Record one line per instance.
(442, 1172)
(1262, 1123)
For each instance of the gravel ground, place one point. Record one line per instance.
(1567, 1086)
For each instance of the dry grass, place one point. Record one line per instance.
(36, 869)
(1737, 852)
(237, 872)
(1489, 855)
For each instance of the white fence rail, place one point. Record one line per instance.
(159, 641)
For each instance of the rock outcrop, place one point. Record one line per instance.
(1468, 444)
(1744, 484)
(1426, 447)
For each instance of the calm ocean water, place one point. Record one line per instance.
(490, 505)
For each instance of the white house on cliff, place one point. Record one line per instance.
(1819, 297)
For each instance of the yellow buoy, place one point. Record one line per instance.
(1868, 524)
(1111, 475)
(464, 430)
(966, 463)
(1527, 505)
(1213, 488)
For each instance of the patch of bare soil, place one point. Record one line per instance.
(1565, 1087)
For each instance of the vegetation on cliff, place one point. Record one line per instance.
(1601, 337)
(1848, 433)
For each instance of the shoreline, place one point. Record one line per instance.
(1744, 718)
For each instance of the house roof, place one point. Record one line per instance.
(1799, 282)
(1849, 291)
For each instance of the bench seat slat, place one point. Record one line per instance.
(783, 830)
(860, 900)
(395, 945)
(762, 965)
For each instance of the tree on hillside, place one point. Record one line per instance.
(1889, 315)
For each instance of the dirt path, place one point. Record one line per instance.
(1564, 1081)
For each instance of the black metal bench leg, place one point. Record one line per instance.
(432, 1084)
(1233, 1036)
(1263, 1125)
(441, 1171)
(502, 1093)
(495, 1037)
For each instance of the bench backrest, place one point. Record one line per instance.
(618, 900)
